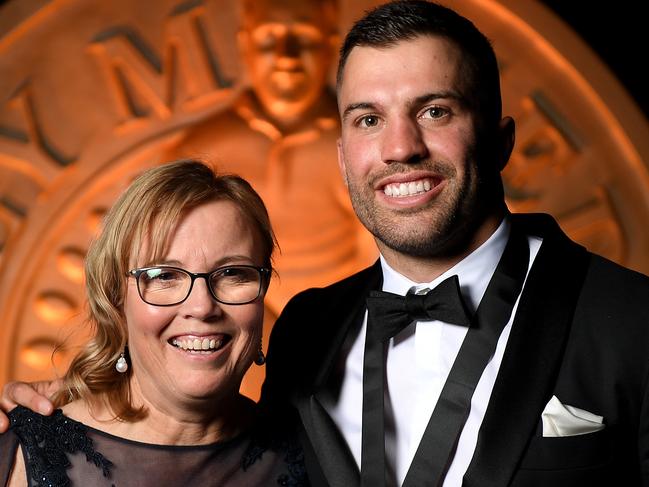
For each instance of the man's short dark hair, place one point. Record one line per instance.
(388, 24)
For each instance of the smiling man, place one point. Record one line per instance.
(527, 363)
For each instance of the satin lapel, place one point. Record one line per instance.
(345, 311)
(532, 357)
(335, 459)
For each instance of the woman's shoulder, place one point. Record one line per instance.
(47, 440)
(274, 441)
(29, 425)
(283, 455)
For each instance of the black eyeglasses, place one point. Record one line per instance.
(168, 286)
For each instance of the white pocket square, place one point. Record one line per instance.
(562, 420)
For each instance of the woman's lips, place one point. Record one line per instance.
(207, 344)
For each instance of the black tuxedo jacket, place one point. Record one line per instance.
(581, 332)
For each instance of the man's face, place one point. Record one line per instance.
(408, 146)
(288, 51)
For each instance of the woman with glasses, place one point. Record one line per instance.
(175, 285)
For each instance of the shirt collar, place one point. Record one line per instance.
(474, 271)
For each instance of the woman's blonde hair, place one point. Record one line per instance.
(148, 210)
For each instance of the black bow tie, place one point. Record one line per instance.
(393, 312)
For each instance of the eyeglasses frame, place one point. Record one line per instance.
(264, 274)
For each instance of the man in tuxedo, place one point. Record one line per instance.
(546, 386)
(483, 348)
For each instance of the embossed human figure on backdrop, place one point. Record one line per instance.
(281, 136)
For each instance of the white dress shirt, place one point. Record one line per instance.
(419, 360)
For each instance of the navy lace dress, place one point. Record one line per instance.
(59, 451)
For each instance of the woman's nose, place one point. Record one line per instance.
(200, 303)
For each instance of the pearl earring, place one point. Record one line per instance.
(121, 366)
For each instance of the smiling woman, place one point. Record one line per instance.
(175, 284)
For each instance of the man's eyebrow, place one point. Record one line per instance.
(453, 95)
(357, 106)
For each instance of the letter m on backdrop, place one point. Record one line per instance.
(149, 86)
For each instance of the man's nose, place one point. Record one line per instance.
(403, 142)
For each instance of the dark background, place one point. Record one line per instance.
(618, 33)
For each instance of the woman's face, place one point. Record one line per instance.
(209, 236)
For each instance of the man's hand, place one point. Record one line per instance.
(32, 395)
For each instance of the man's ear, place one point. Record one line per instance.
(341, 160)
(506, 139)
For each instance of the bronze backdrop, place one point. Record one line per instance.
(92, 92)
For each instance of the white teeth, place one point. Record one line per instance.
(196, 344)
(407, 189)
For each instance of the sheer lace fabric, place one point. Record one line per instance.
(62, 452)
